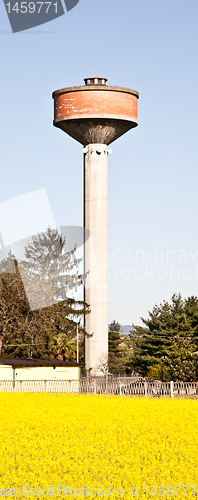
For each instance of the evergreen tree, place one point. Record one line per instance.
(48, 274)
(167, 343)
(36, 316)
(115, 362)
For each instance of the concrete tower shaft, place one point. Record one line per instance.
(96, 115)
(96, 251)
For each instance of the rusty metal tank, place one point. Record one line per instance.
(95, 113)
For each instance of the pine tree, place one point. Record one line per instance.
(167, 343)
(27, 325)
(48, 274)
(115, 363)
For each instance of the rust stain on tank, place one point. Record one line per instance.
(96, 102)
(95, 113)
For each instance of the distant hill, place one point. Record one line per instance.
(126, 329)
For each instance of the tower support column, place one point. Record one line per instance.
(96, 254)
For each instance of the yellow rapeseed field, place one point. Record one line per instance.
(90, 446)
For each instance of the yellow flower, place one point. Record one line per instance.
(88, 447)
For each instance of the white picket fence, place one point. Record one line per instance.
(113, 386)
(54, 386)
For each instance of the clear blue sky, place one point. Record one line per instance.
(150, 46)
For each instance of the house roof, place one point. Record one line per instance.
(36, 362)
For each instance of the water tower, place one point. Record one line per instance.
(95, 115)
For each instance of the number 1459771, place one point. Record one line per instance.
(177, 490)
(31, 7)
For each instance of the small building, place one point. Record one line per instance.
(38, 369)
